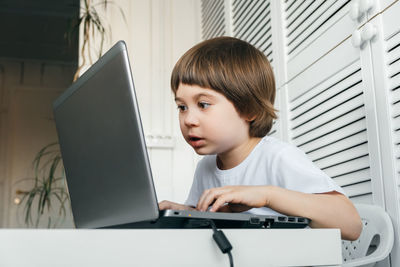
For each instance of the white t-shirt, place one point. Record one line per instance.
(272, 162)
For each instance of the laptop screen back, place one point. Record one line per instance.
(103, 147)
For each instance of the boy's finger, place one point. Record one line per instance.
(220, 202)
(211, 198)
(201, 200)
(205, 200)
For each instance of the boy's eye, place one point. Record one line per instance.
(204, 105)
(182, 108)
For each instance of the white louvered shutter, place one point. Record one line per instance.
(312, 29)
(326, 94)
(328, 123)
(392, 49)
(393, 63)
(213, 20)
(251, 22)
(307, 19)
(328, 120)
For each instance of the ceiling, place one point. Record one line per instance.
(37, 29)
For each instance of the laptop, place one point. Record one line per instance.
(105, 157)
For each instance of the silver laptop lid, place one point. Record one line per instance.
(103, 148)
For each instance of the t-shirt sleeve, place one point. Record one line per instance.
(297, 172)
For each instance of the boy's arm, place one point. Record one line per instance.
(326, 210)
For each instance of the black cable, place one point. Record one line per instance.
(230, 259)
(222, 241)
(214, 227)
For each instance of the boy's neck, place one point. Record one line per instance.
(233, 158)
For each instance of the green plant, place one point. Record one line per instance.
(48, 186)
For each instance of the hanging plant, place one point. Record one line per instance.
(92, 25)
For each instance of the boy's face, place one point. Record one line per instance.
(209, 121)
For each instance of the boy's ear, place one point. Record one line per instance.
(251, 118)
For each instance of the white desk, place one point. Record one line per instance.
(276, 247)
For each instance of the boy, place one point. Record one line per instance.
(225, 91)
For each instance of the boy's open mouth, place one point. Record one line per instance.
(196, 141)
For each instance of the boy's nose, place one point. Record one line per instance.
(191, 119)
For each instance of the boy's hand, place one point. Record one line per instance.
(168, 205)
(238, 198)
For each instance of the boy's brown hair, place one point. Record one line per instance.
(235, 69)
